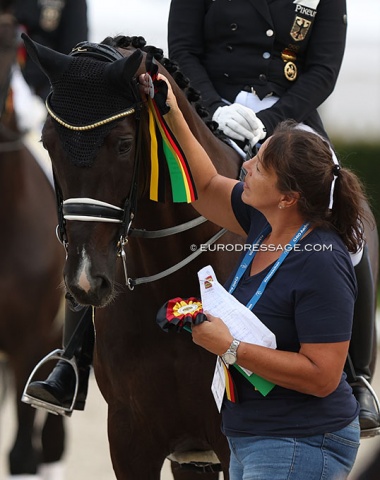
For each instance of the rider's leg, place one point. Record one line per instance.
(363, 343)
(59, 387)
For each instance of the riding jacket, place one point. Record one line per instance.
(289, 48)
(57, 24)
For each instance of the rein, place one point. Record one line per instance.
(92, 210)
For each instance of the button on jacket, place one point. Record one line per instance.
(290, 48)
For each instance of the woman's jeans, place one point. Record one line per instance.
(320, 457)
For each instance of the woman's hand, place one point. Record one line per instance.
(212, 335)
(146, 86)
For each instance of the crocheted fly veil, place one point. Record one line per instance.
(88, 96)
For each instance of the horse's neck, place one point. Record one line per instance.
(225, 158)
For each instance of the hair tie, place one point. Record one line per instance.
(336, 170)
(336, 174)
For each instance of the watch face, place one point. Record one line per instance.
(229, 358)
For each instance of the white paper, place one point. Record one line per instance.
(218, 385)
(242, 323)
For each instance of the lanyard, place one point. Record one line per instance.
(250, 255)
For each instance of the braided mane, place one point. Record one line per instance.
(192, 95)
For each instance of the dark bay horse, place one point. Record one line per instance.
(31, 263)
(120, 249)
(157, 384)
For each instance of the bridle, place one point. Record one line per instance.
(87, 209)
(92, 210)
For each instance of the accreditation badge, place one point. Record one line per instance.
(300, 28)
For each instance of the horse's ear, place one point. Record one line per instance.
(122, 71)
(52, 63)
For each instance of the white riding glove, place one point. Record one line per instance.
(240, 123)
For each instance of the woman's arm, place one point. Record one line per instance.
(315, 370)
(186, 46)
(321, 293)
(214, 190)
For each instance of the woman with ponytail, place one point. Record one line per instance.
(302, 214)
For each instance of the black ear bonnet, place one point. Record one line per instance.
(90, 86)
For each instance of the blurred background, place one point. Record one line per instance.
(352, 119)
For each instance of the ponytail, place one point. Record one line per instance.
(350, 210)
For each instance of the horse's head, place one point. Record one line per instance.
(96, 135)
(91, 136)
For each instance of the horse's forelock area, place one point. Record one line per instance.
(173, 68)
(84, 95)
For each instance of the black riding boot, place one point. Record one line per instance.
(362, 352)
(59, 387)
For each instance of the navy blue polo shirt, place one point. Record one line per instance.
(310, 299)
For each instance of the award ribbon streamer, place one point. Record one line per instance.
(163, 143)
(230, 386)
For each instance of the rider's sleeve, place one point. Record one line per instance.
(185, 42)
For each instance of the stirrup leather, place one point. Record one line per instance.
(369, 432)
(57, 354)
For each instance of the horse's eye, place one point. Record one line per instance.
(124, 146)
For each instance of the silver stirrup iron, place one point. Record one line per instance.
(51, 407)
(369, 432)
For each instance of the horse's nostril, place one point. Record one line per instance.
(99, 293)
(101, 284)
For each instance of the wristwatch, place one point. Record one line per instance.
(229, 358)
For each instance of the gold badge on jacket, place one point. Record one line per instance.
(51, 14)
(290, 68)
(300, 28)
